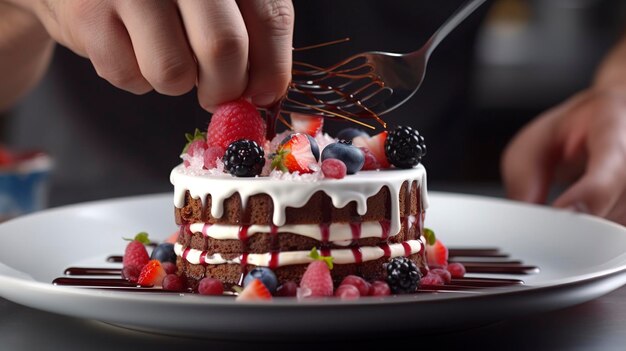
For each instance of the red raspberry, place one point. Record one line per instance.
(457, 270)
(432, 279)
(348, 292)
(233, 121)
(135, 254)
(371, 163)
(211, 155)
(287, 289)
(444, 274)
(210, 286)
(172, 282)
(334, 168)
(357, 282)
(379, 288)
(131, 273)
(316, 280)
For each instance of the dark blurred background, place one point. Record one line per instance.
(502, 67)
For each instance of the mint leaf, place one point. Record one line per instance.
(430, 236)
(142, 237)
(314, 254)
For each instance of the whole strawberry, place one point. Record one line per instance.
(135, 253)
(233, 121)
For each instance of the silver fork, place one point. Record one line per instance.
(369, 84)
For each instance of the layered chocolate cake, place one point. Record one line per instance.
(230, 225)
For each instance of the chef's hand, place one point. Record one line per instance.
(586, 133)
(226, 48)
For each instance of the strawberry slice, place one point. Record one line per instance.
(311, 125)
(254, 291)
(437, 255)
(376, 145)
(152, 274)
(296, 154)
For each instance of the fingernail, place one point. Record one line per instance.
(579, 207)
(264, 99)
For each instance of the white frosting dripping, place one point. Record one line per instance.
(286, 258)
(297, 192)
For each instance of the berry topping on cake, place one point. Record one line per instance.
(172, 282)
(211, 155)
(345, 152)
(376, 145)
(333, 168)
(348, 292)
(152, 274)
(370, 163)
(311, 125)
(210, 286)
(379, 288)
(316, 280)
(164, 252)
(265, 275)
(350, 133)
(195, 141)
(255, 290)
(244, 158)
(357, 282)
(403, 276)
(457, 270)
(296, 154)
(169, 267)
(405, 147)
(437, 255)
(135, 253)
(233, 121)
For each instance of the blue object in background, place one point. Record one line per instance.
(24, 189)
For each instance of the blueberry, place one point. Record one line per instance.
(348, 154)
(265, 275)
(164, 253)
(315, 149)
(350, 133)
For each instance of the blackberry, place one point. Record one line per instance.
(244, 158)
(403, 276)
(404, 147)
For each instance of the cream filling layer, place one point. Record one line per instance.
(340, 256)
(336, 231)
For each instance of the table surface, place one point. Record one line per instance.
(599, 324)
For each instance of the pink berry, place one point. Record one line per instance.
(333, 168)
(287, 289)
(357, 282)
(457, 270)
(432, 279)
(172, 282)
(210, 286)
(379, 288)
(371, 162)
(348, 292)
(196, 146)
(444, 274)
(131, 273)
(316, 280)
(211, 155)
(169, 267)
(135, 254)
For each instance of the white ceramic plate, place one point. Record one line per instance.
(580, 258)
